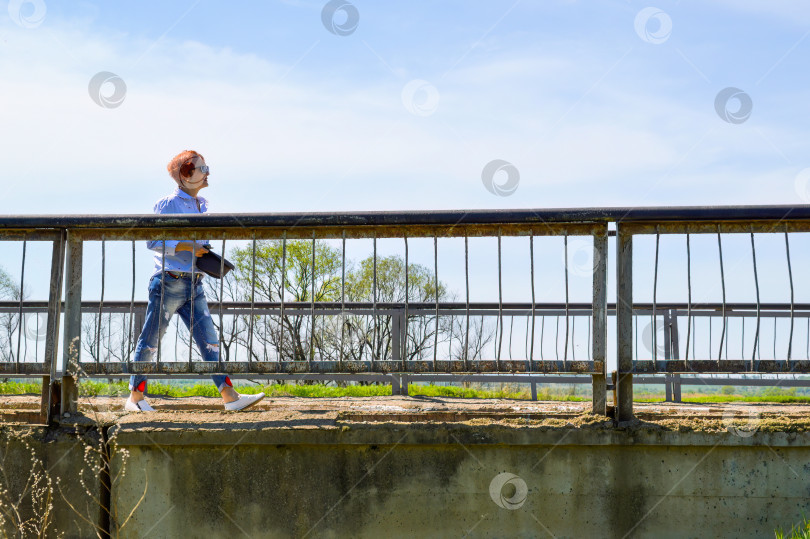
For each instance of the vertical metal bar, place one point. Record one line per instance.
(723, 288)
(252, 297)
(599, 317)
(73, 323)
(480, 351)
(624, 323)
(160, 307)
(467, 303)
(221, 299)
(565, 246)
(694, 338)
(689, 295)
(131, 309)
(588, 339)
(312, 308)
(396, 338)
(109, 335)
(500, 305)
(342, 296)
(573, 337)
(20, 324)
(531, 271)
(774, 337)
(790, 277)
(101, 301)
(407, 292)
(450, 345)
(526, 344)
(374, 348)
(436, 297)
(655, 298)
(193, 286)
(542, 331)
(511, 331)
(283, 284)
(756, 283)
(557, 338)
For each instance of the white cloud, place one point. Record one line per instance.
(299, 142)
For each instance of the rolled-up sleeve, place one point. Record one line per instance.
(157, 245)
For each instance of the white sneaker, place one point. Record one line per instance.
(140, 406)
(244, 401)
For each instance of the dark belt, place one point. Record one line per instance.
(178, 274)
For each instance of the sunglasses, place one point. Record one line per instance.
(204, 169)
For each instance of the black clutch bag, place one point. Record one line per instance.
(212, 264)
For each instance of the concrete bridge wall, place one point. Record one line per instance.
(435, 481)
(429, 480)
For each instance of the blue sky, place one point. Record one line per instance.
(293, 118)
(593, 103)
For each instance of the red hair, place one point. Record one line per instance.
(181, 165)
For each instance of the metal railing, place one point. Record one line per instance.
(68, 235)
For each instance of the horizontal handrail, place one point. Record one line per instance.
(415, 218)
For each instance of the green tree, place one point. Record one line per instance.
(293, 336)
(376, 335)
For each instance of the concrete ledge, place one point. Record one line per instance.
(223, 429)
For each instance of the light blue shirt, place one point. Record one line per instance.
(177, 202)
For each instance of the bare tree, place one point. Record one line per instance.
(9, 322)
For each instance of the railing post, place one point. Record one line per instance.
(676, 387)
(624, 324)
(676, 354)
(49, 408)
(73, 323)
(599, 315)
(667, 354)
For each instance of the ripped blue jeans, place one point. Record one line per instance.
(177, 299)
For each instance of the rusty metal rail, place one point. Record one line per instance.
(69, 233)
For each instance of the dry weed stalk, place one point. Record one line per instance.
(39, 484)
(97, 459)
